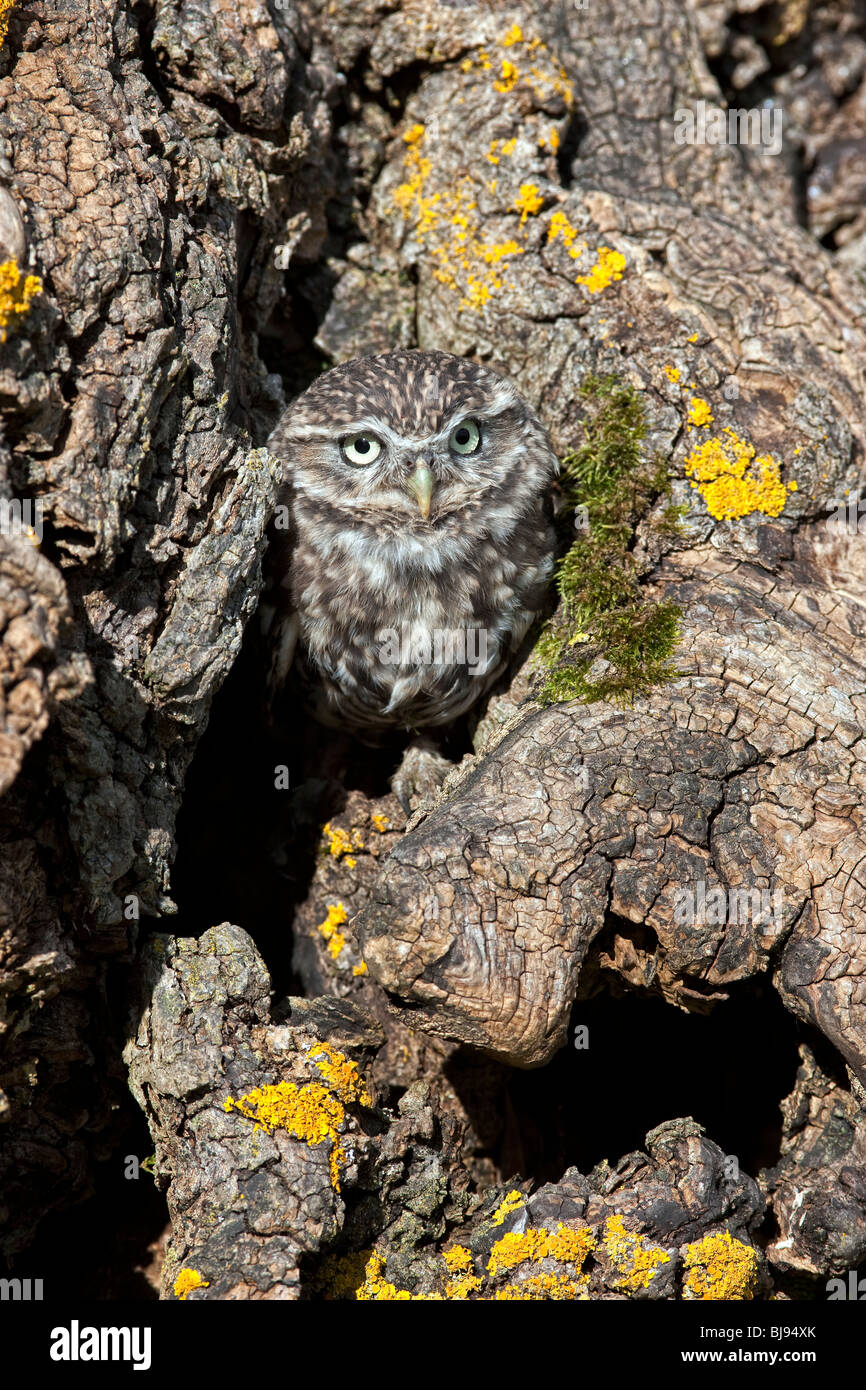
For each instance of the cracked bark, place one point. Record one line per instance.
(156, 167)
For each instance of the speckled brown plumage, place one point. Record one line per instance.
(421, 541)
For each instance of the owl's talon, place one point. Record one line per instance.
(418, 779)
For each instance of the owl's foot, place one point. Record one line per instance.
(421, 773)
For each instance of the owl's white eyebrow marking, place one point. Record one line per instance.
(503, 398)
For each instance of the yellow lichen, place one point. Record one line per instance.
(310, 1113)
(464, 1281)
(569, 1245)
(458, 1260)
(500, 148)
(339, 841)
(186, 1281)
(380, 822)
(528, 202)
(464, 260)
(609, 267)
(409, 195)
(492, 254)
(513, 1249)
(461, 1288)
(672, 374)
(553, 1287)
(700, 413)
(562, 228)
(360, 969)
(566, 1245)
(551, 139)
(17, 291)
(329, 929)
(636, 1258)
(340, 1073)
(732, 481)
(543, 82)
(720, 1267)
(508, 78)
(377, 1289)
(5, 9)
(342, 842)
(510, 1203)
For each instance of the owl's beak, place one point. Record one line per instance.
(420, 486)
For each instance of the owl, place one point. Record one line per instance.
(420, 545)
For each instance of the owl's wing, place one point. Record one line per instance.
(279, 621)
(280, 634)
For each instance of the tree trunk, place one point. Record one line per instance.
(219, 200)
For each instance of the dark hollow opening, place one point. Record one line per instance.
(109, 1246)
(246, 849)
(646, 1062)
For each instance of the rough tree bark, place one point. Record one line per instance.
(429, 169)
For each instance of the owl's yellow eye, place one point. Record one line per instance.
(465, 437)
(361, 448)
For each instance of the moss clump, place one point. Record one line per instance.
(604, 620)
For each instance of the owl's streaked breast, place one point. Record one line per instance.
(459, 585)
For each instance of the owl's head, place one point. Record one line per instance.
(411, 439)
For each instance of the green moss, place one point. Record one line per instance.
(603, 614)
